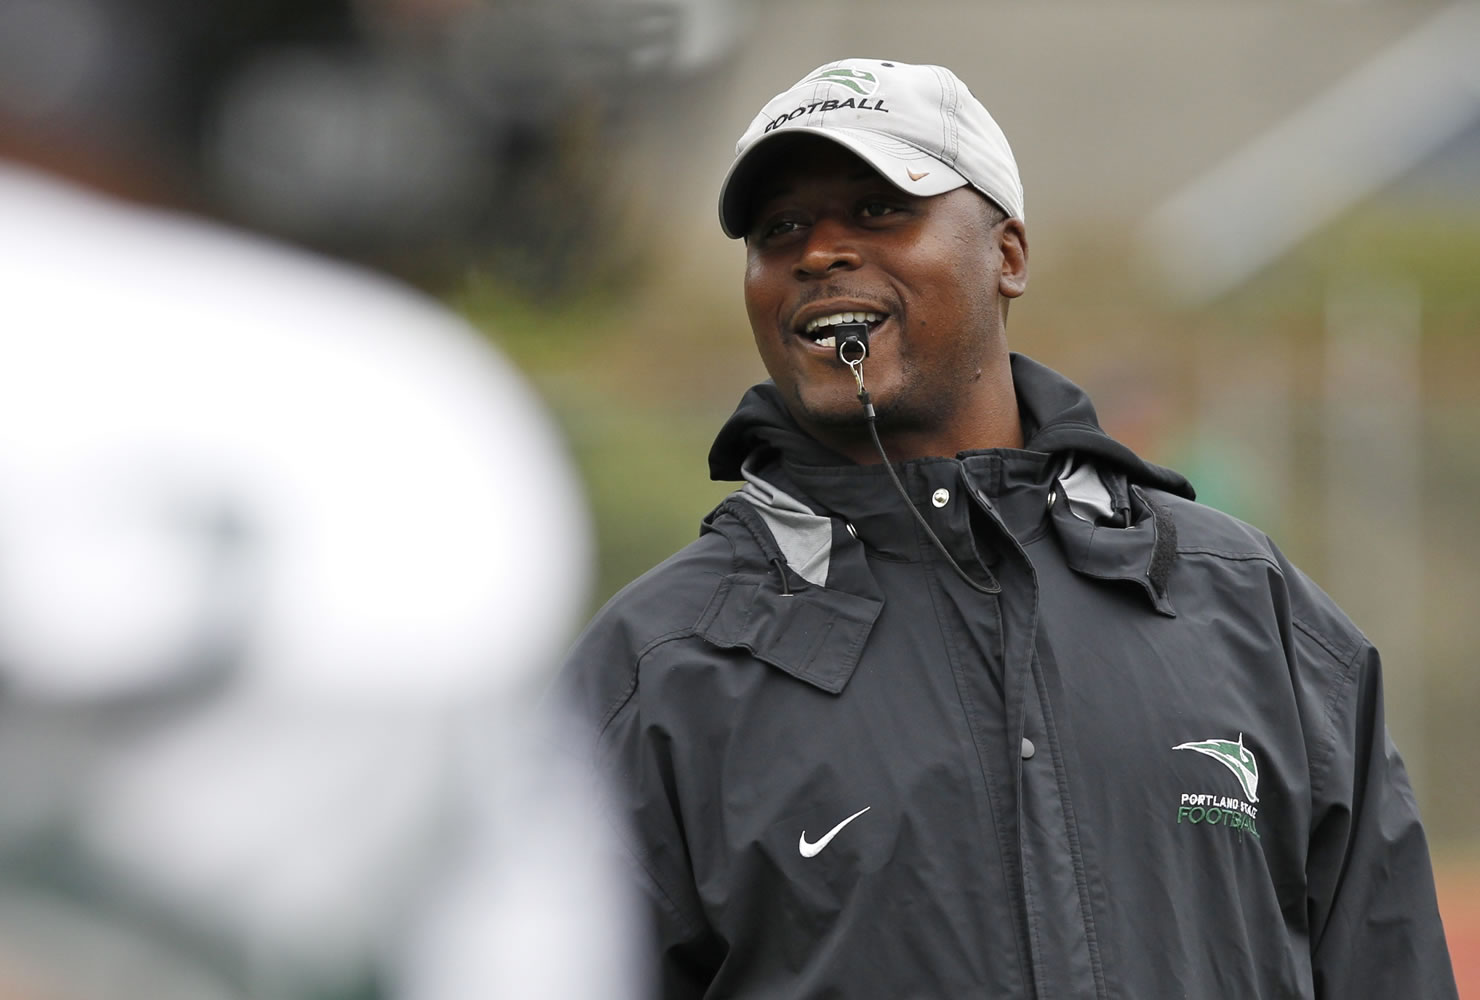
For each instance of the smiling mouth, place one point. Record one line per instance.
(819, 329)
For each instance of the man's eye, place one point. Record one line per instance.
(874, 209)
(777, 227)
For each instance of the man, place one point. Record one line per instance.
(1048, 728)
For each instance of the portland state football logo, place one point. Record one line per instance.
(1222, 810)
(860, 81)
(1234, 757)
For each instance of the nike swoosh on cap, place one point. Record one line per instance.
(916, 177)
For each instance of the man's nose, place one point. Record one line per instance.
(830, 247)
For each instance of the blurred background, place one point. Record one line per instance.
(1255, 234)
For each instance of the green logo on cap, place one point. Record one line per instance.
(859, 81)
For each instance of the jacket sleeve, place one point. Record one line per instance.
(1374, 919)
(636, 756)
(637, 759)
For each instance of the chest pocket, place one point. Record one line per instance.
(815, 635)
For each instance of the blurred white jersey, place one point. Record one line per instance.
(285, 552)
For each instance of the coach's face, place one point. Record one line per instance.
(829, 235)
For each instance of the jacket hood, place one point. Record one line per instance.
(1057, 417)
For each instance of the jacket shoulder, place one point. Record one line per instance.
(1204, 530)
(664, 604)
(1209, 540)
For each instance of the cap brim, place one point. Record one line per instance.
(904, 166)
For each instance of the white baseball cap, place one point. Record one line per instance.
(918, 126)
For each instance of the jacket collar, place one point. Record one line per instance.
(812, 627)
(1066, 454)
(1057, 418)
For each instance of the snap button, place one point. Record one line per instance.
(1028, 748)
(941, 497)
(1052, 496)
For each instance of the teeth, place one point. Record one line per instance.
(834, 319)
(828, 341)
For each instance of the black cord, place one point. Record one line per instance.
(868, 409)
(852, 341)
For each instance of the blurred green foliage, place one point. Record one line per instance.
(1437, 247)
(641, 450)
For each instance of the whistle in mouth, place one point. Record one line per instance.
(852, 342)
(852, 349)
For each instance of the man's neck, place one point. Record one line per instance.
(997, 431)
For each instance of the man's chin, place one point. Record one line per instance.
(832, 410)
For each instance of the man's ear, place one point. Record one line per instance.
(1012, 241)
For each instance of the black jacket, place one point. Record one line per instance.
(1142, 757)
